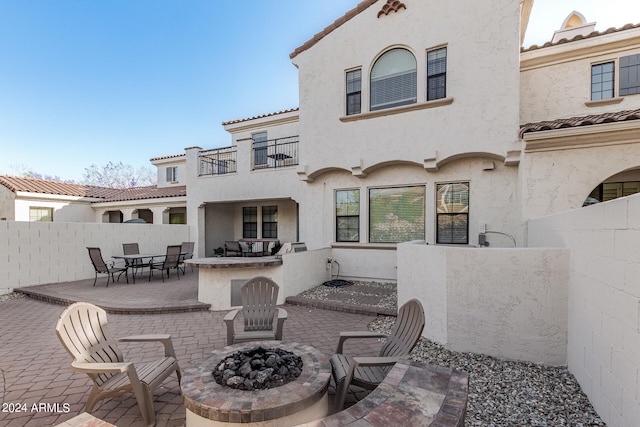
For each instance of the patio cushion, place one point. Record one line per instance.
(232, 246)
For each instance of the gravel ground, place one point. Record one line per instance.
(387, 291)
(12, 295)
(509, 393)
(501, 392)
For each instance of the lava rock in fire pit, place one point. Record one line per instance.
(258, 368)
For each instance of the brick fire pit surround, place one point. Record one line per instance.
(305, 399)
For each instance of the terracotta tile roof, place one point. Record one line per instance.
(581, 37)
(42, 186)
(150, 192)
(231, 122)
(174, 156)
(594, 119)
(364, 4)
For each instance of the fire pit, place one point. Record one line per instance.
(258, 368)
(241, 398)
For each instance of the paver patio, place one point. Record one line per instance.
(35, 369)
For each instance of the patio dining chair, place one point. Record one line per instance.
(259, 297)
(186, 252)
(171, 260)
(101, 267)
(368, 372)
(84, 332)
(133, 264)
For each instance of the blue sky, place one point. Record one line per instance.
(93, 81)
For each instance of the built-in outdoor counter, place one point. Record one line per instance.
(220, 279)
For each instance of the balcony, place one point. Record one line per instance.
(275, 153)
(218, 161)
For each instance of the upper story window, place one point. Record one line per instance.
(172, 174)
(629, 75)
(437, 74)
(393, 80)
(602, 81)
(354, 90)
(259, 149)
(603, 78)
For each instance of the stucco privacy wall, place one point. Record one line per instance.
(508, 303)
(38, 252)
(604, 301)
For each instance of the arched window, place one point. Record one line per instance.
(393, 80)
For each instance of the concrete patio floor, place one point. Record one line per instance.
(35, 369)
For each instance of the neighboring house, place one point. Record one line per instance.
(29, 199)
(424, 131)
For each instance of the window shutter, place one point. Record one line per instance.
(630, 75)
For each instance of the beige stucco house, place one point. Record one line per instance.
(431, 123)
(424, 131)
(30, 199)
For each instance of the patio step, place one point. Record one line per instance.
(342, 306)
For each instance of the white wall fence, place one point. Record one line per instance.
(508, 303)
(604, 301)
(36, 253)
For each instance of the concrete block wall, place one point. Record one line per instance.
(604, 301)
(36, 253)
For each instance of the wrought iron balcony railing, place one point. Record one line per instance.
(218, 161)
(275, 153)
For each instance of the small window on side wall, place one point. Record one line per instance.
(437, 74)
(41, 214)
(354, 91)
(172, 174)
(602, 81)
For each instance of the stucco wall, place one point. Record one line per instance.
(508, 303)
(304, 270)
(556, 85)
(63, 210)
(7, 207)
(604, 301)
(553, 181)
(39, 252)
(161, 170)
(482, 117)
(299, 271)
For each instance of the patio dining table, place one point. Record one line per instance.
(137, 260)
